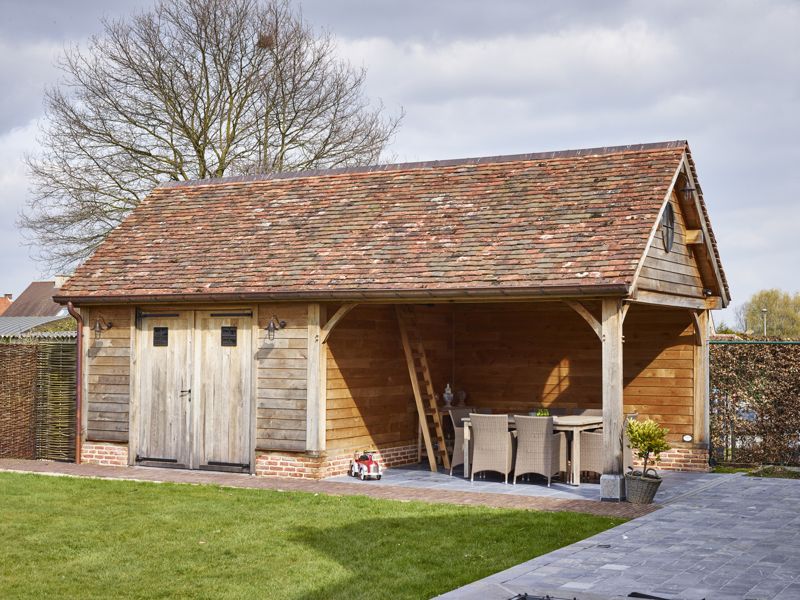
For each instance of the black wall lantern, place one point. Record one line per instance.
(101, 325)
(688, 192)
(273, 325)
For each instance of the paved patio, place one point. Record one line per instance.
(420, 477)
(736, 538)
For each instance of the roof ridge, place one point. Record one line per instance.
(407, 166)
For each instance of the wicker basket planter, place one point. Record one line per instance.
(640, 489)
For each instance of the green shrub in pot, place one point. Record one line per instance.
(648, 440)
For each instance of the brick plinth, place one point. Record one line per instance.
(682, 458)
(104, 453)
(292, 464)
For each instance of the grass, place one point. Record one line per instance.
(775, 472)
(727, 469)
(68, 538)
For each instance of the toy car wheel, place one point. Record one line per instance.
(362, 476)
(378, 477)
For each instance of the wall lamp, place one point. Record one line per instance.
(101, 325)
(273, 325)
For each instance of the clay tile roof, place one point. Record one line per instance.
(36, 301)
(5, 302)
(539, 223)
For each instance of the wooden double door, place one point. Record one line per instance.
(193, 389)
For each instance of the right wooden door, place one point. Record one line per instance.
(222, 397)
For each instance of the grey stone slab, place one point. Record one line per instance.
(720, 538)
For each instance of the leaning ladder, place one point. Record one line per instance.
(418, 370)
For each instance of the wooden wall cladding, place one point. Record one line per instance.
(674, 272)
(370, 402)
(281, 378)
(659, 367)
(514, 357)
(108, 374)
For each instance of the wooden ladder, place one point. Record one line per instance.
(421, 383)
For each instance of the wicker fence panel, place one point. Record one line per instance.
(55, 401)
(755, 403)
(17, 393)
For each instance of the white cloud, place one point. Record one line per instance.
(16, 267)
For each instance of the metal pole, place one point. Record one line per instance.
(764, 314)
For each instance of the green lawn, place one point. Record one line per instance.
(82, 538)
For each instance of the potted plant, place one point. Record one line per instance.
(648, 440)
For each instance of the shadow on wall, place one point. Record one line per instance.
(508, 357)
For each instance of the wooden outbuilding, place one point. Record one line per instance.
(275, 324)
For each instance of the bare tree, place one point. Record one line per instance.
(191, 89)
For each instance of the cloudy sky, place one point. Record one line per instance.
(484, 78)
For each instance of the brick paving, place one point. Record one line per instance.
(735, 539)
(334, 488)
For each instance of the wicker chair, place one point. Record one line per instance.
(492, 445)
(456, 416)
(592, 449)
(539, 450)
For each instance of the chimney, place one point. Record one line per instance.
(60, 280)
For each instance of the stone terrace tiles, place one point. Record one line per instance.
(540, 223)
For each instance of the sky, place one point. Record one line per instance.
(478, 78)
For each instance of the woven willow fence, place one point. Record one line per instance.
(17, 392)
(37, 397)
(755, 402)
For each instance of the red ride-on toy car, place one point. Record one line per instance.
(365, 466)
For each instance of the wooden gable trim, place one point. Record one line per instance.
(654, 228)
(706, 245)
(696, 238)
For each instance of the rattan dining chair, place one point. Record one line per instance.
(592, 449)
(492, 445)
(539, 449)
(456, 416)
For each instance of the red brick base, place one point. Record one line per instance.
(104, 453)
(682, 458)
(292, 464)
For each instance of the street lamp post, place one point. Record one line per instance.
(764, 315)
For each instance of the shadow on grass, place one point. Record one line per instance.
(414, 557)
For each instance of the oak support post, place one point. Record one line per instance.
(316, 404)
(700, 429)
(612, 481)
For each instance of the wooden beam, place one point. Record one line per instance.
(694, 237)
(664, 299)
(316, 381)
(334, 320)
(625, 307)
(700, 428)
(698, 333)
(587, 316)
(612, 483)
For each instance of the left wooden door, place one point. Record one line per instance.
(164, 380)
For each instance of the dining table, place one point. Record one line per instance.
(571, 424)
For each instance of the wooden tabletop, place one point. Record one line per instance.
(562, 420)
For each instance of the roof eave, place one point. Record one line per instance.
(399, 295)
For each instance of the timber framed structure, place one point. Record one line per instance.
(274, 325)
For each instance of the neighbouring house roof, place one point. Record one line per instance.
(5, 302)
(552, 222)
(12, 326)
(36, 301)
